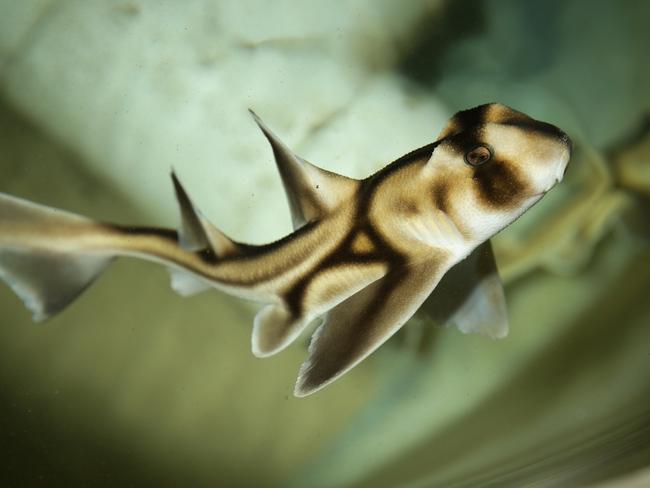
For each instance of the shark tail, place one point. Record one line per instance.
(48, 257)
(44, 270)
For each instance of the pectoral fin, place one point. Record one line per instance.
(278, 325)
(471, 297)
(311, 191)
(363, 322)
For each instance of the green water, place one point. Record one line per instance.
(133, 385)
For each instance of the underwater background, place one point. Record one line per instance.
(133, 385)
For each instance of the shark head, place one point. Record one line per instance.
(492, 163)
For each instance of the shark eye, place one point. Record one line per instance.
(479, 155)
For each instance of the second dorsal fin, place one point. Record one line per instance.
(311, 191)
(196, 232)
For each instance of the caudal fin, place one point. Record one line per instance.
(48, 281)
(49, 256)
(44, 274)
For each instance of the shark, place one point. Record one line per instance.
(364, 256)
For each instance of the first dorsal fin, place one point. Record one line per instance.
(196, 232)
(311, 191)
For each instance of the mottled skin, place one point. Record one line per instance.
(366, 253)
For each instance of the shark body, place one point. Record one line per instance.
(365, 254)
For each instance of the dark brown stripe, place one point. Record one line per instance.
(168, 234)
(532, 126)
(471, 118)
(498, 184)
(441, 196)
(256, 251)
(206, 255)
(344, 254)
(356, 338)
(415, 156)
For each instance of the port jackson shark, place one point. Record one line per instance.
(364, 256)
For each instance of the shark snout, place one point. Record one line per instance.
(567, 141)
